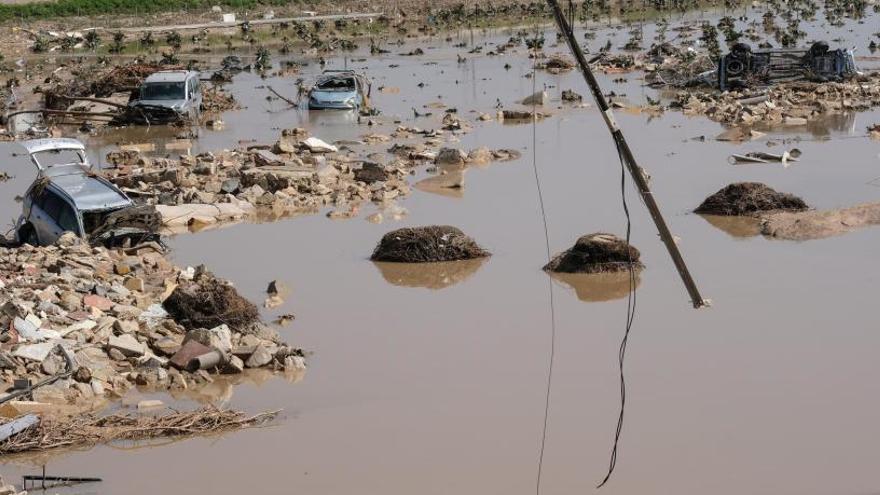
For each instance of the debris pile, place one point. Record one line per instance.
(215, 100)
(91, 320)
(298, 174)
(91, 82)
(795, 103)
(88, 431)
(427, 244)
(596, 253)
(556, 64)
(749, 198)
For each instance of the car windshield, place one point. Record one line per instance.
(163, 91)
(336, 84)
(53, 158)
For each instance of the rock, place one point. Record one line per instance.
(34, 352)
(261, 357)
(189, 351)
(135, 284)
(265, 158)
(315, 145)
(596, 253)
(97, 388)
(538, 99)
(52, 364)
(234, 365)
(218, 338)
(116, 355)
(231, 186)
(749, 198)
(83, 374)
(150, 404)
(97, 302)
(571, 97)
(370, 173)
(294, 363)
(451, 156)
(127, 345)
(427, 244)
(167, 346)
(68, 239)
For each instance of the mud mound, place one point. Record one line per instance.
(427, 244)
(749, 198)
(208, 302)
(596, 253)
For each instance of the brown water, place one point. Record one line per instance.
(434, 381)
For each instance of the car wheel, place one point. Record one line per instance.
(28, 235)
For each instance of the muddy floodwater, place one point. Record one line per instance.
(434, 380)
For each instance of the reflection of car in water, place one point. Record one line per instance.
(169, 96)
(68, 197)
(340, 90)
(743, 67)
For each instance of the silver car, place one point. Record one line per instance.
(170, 95)
(66, 196)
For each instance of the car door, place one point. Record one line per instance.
(51, 216)
(195, 95)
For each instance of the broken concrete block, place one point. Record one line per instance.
(127, 345)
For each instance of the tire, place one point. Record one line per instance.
(741, 50)
(27, 235)
(819, 48)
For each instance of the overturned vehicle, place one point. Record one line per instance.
(68, 196)
(744, 67)
(166, 97)
(340, 90)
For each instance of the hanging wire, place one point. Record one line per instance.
(630, 316)
(549, 280)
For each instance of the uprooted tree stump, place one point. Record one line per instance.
(427, 244)
(596, 253)
(748, 199)
(208, 302)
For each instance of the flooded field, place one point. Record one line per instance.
(434, 380)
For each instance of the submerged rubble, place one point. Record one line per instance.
(93, 320)
(596, 253)
(807, 225)
(795, 103)
(427, 244)
(749, 198)
(298, 174)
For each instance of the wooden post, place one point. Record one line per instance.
(626, 155)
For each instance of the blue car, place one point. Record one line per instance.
(340, 90)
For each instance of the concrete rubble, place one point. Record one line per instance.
(102, 322)
(298, 174)
(790, 104)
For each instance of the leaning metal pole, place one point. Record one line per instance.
(626, 154)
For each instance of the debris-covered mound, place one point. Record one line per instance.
(749, 198)
(596, 253)
(427, 244)
(208, 302)
(90, 430)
